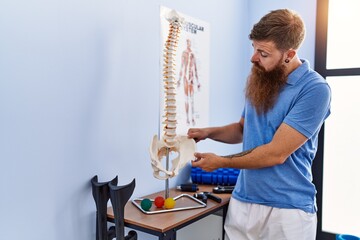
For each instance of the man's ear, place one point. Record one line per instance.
(291, 54)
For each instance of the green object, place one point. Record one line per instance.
(146, 204)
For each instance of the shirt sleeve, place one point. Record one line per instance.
(310, 110)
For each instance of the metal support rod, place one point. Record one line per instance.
(167, 191)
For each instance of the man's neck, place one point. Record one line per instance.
(293, 64)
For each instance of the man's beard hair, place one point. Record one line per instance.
(263, 87)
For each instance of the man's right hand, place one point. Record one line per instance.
(198, 134)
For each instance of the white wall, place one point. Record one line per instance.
(79, 96)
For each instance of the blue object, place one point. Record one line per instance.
(221, 176)
(346, 237)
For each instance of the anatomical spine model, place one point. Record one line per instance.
(170, 141)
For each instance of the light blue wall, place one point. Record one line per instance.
(79, 96)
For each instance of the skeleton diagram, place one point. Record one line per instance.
(170, 141)
(188, 71)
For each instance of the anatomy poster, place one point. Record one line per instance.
(191, 71)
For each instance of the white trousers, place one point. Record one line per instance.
(248, 221)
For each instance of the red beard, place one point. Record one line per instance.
(263, 87)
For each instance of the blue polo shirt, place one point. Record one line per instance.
(303, 104)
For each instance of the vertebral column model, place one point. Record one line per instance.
(170, 141)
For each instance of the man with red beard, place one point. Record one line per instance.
(286, 104)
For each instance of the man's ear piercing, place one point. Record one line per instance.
(287, 60)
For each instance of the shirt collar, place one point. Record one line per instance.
(296, 75)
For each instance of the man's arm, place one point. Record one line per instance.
(231, 133)
(285, 141)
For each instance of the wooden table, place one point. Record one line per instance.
(165, 225)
